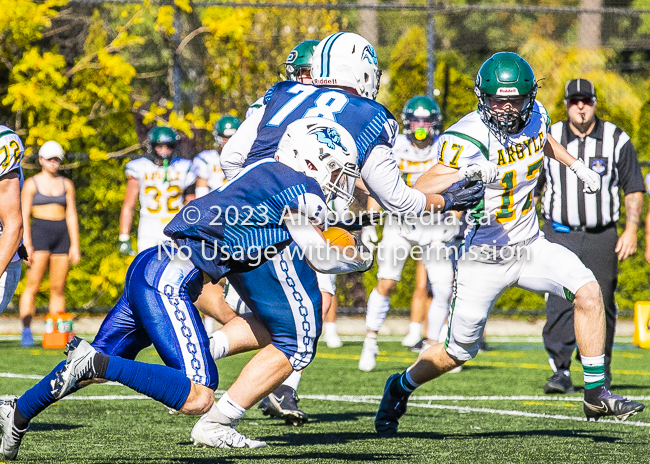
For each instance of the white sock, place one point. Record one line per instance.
(293, 380)
(415, 328)
(208, 322)
(330, 328)
(219, 346)
(227, 408)
(378, 306)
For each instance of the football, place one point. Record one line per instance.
(340, 237)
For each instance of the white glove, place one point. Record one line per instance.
(590, 178)
(482, 170)
(369, 237)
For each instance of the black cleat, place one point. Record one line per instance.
(283, 404)
(391, 408)
(608, 404)
(559, 383)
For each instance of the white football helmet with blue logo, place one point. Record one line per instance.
(346, 59)
(324, 151)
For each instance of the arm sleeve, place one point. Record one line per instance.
(455, 152)
(200, 167)
(320, 255)
(236, 151)
(190, 177)
(629, 171)
(258, 105)
(382, 176)
(131, 169)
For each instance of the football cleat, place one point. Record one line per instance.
(215, 435)
(11, 436)
(391, 409)
(367, 360)
(608, 404)
(283, 404)
(559, 383)
(77, 368)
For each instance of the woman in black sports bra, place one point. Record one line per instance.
(53, 237)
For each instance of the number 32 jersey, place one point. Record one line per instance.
(161, 190)
(507, 215)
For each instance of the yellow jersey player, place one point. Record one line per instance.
(503, 246)
(162, 182)
(414, 155)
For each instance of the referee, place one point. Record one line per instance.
(586, 224)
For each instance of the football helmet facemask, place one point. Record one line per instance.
(299, 59)
(422, 119)
(225, 128)
(162, 136)
(505, 77)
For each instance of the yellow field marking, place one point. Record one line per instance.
(548, 403)
(504, 354)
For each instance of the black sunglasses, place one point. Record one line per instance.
(585, 100)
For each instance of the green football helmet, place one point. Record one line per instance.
(426, 114)
(505, 76)
(299, 59)
(162, 136)
(225, 127)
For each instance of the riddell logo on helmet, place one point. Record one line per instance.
(325, 81)
(507, 91)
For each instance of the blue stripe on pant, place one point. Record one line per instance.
(283, 293)
(157, 307)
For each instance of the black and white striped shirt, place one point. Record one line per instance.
(608, 151)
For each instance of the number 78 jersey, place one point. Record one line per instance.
(369, 123)
(507, 213)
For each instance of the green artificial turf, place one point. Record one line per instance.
(341, 428)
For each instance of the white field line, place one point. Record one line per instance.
(40, 377)
(374, 399)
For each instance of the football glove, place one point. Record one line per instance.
(365, 252)
(590, 178)
(125, 246)
(461, 197)
(482, 170)
(369, 237)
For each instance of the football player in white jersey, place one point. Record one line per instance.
(162, 182)
(504, 247)
(206, 165)
(414, 155)
(11, 220)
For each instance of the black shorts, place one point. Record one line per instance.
(50, 236)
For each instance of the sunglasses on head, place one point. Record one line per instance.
(585, 100)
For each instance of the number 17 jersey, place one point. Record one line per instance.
(369, 123)
(507, 214)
